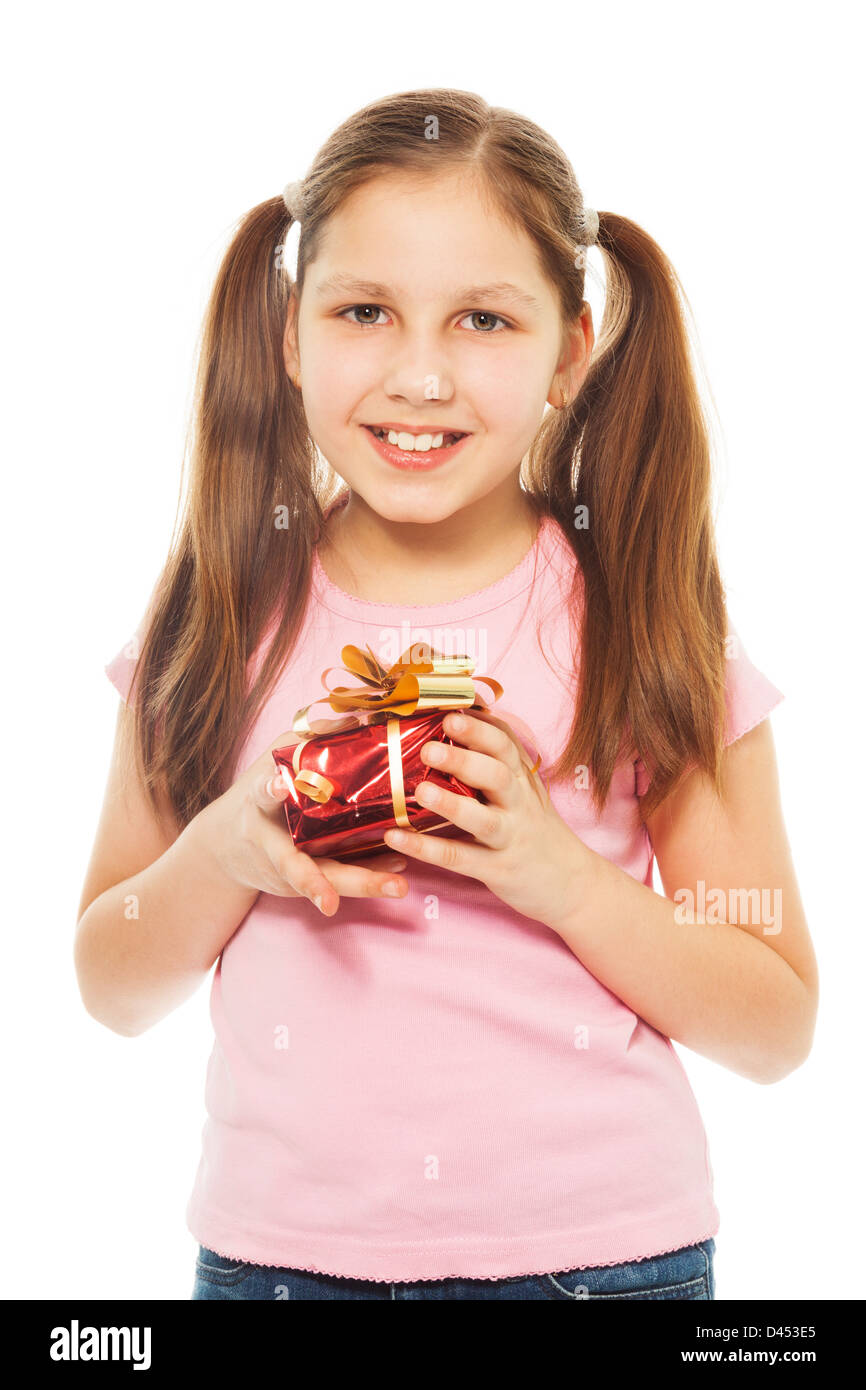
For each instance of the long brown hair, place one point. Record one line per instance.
(632, 448)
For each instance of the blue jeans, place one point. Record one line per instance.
(685, 1273)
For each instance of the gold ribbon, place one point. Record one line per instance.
(422, 679)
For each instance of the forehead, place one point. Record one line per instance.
(425, 234)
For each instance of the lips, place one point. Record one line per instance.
(400, 427)
(415, 460)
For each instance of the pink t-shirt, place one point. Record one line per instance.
(435, 1086)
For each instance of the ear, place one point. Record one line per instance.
(291, 360)
(575, 361)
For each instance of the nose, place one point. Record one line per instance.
(419, 371)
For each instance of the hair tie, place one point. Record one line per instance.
(589, 222)
(588, 236)
(292, 198)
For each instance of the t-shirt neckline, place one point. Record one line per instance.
(494, 595)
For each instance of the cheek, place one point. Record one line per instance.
(332, 387)
(507, 392)
(328, 363)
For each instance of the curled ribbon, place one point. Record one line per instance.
(422, 679)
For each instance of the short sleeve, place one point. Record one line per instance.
(749, 698)
(121, 666)
(749, 695)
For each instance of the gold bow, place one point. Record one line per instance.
(422, 679)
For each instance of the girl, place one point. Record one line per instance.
(462, 1085)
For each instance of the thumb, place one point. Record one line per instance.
(276, 782)
(271, 789)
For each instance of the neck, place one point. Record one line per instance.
(398, 562)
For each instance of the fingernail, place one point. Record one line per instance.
(455, 722)
(392, 890)
(318, 903)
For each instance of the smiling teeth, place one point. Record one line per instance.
(418, 443)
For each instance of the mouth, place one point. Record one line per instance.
(418, 441)
(416, 452)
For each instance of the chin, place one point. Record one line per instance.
(396, 503)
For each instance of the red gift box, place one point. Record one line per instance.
(355, 768)
(352, 779)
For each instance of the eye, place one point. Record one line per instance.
(353, 307)
(474, 314)
(485, 314)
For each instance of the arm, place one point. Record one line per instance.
(156, 909)
(744, 992)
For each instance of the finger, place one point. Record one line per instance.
(459, 764)
(300, 871)
(324, 880)
(487, 734)
(488, 773)
(484, 822)
(355, 880)
(270, 789)
(460, 857)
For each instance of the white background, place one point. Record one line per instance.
(135, 138)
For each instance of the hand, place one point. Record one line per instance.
(245, 830)
(525, 853)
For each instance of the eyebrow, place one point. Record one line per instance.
(501, 289)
